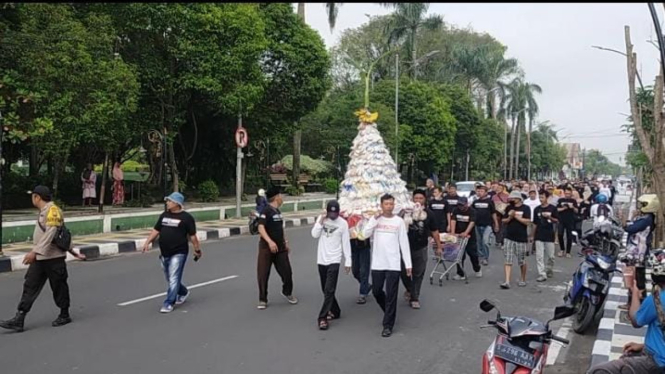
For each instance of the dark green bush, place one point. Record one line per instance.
(208, 191)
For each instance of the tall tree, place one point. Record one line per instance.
(405, 23)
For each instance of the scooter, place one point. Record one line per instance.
(590, 286)
(522, 344)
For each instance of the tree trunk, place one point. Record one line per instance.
(414, 54)
(34, 161)
(512, 150)
(520, 124)
(102, 191)
(174, 167)
(491, 104)
(528, 149)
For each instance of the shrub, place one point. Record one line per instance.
(331, 186)
(295, 191)
(181, 186)
(208, 191)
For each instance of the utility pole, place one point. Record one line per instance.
(239, 157)
(397, 111)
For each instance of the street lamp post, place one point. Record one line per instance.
(2, 133)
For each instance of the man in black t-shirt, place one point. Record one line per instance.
(567, 208)
(273, 249)
(462, 224)
(423, 226)
(485, 220)
(516, 218)
(175, 229)
(437, 204)
(451, 202)
(545, 217)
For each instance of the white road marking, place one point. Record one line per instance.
(188, 287)
(555, 347)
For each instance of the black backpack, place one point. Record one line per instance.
(254, 225)
(62, 238)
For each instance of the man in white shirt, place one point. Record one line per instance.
(390, 246)
(333, 235)
(532, 202)
(605, 190)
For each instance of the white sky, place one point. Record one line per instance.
(584, 89)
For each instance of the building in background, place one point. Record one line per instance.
(574, 160)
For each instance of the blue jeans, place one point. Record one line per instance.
(360, 263)
(482, 240)
(173, 267)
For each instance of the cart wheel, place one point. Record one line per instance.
(431, 280)
(447, 277)
(440, 282)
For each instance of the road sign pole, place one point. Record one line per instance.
(239, 157)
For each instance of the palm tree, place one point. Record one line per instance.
(405, 23)
(519, 102)
(332, 9)
(494, 68)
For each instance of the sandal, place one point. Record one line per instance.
(331, 316)
(323, 325)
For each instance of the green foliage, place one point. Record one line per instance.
(208, 191)
(331, 186)
(294, 191)
(308, 165)
(595, 163)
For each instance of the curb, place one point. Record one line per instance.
(93, 252)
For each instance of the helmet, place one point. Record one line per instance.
(601, 198)
(657, 261)
(649, 203)
(262, 192)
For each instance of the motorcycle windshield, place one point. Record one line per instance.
(520, 326)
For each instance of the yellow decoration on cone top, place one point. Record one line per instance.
(366, 116)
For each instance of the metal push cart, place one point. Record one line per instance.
(453, 253)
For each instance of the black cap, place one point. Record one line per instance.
(272, 192)
(462, 200)
(332, 207)
(419, 191)
(43, 192)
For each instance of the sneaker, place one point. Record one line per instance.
(262, 305)
(541, 279)
(291, 299)
(550, 274)
(407, 296)
(61, 321)
(386, 332)
(415, 305)
(361, 300)
(166, 309)
(181, 299)
(459, 278)
(568, 255)
(479, 274)
(560, 254)
(521, 284)
(505, 285)
(485, 262)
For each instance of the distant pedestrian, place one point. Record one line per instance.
(334, 241)
(516, 218)
(485, 220)
(175, 228)
(118, 184)
(500, 200)
(273, 249)
(430, 189)
(545, 217)
(568, 209)
(46, 262)
(261, 201)
(390, 241)
(89, 180)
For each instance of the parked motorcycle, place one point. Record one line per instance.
(522, 343)
(589, 288)
(605, 236)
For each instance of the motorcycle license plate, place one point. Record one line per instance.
(515, 355)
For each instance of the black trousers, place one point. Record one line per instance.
(360, 264)
(329, 275)
(282, 265)
(387, 300)
(55, 271)
(566, 227)
(419, 263)
(472, 251)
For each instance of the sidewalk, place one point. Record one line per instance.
(109, 244)
(79, 211)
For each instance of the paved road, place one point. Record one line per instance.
(220, 330)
